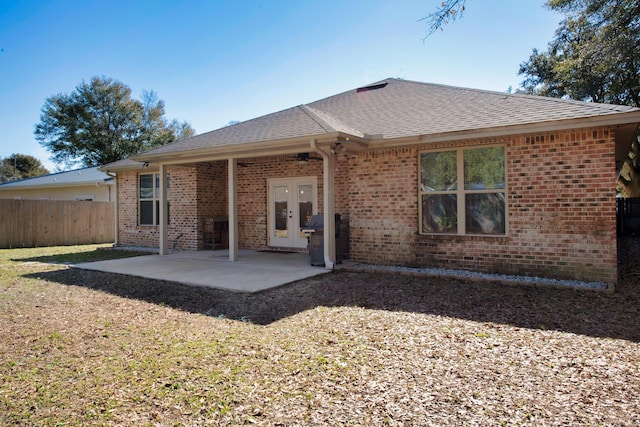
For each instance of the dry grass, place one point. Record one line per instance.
(90, 348)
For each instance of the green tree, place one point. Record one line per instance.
(99, 122)
(181, 130)
(594, 56)
(19, 166)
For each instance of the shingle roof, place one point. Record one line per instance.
(125, 164)
(405, 108)
(290, 123)
(85, 176)
(396, 108)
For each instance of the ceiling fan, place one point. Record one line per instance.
(305, 157)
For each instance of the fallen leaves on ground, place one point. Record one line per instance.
(90, 348)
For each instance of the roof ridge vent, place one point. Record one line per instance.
(372, 87)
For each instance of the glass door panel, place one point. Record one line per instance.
(281, 211)
(305, 207)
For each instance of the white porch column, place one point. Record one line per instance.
(233, 208)
(162, 218)
(329, 212)
(117, 214)
(328, 176)
(114, 198)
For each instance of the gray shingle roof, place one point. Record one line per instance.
(85, 176)
(405, 108)
(397, 108)
(290, 123)
(125, 164)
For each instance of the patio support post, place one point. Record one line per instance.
(117, 212)
(114, 199)
(329, 206)
(162, 218)
(233, 208)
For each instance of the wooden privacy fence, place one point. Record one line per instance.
(628, 216)
(34, 223)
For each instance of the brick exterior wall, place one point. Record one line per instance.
(383, 197)
(201, 192)
(253, 193)
(212, 198)
(561, 210)
(560, 201)
(183, 229)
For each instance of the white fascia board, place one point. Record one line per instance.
(56, 185)
(246, 150)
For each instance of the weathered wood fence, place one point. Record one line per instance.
(34, 223)
(628, 213)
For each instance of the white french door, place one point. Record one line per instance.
(292, 202)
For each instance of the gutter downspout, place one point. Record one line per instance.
(115, 180)
(328, 177)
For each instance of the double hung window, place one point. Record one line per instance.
(149, 199)
(463, 191)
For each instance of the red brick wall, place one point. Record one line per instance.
(253, 179)
(183, 228)
(201, 192)
(562, 205)
(212, 196)
(253, 193)
(560, 192)
(383, 208)
(561, 210)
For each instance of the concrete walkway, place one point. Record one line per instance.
(253, 272)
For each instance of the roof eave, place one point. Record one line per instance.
(250, 149)
(617, 119)
(107, 168)
(58, 185)
(300, 144)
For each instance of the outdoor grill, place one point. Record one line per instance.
(315, 232)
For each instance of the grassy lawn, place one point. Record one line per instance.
(90, 348)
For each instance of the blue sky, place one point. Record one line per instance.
(217, 61)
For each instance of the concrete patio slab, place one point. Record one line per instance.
(252, 272)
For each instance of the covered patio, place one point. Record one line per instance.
(253, 271)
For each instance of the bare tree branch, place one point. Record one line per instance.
(448, 11)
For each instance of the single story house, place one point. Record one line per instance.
(86, 184)
(422, 175)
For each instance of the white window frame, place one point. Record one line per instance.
(155, 199)
(461, 192)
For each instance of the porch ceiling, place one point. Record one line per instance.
(256, 149)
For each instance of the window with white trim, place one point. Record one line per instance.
(149, 199)
(463, 191)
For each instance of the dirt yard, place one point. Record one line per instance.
(89, 348)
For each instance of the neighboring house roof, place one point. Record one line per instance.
(73, 178)
(126, 164)
(388, 111)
